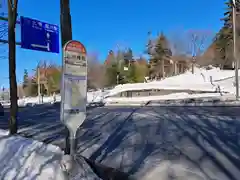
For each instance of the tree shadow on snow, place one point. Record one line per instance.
(112, 133)
(168, 142)
(18, 156)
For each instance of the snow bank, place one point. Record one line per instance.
(175, 96)
(164, 97)
(149, 86)
(27, 159)
(96, 96)
(202, 80)
(208, 82)
(23, 158)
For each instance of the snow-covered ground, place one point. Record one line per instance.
(211, 83)
(142, 144)
(147, 142)
(27, 159)
(24, 159)
(201, 80)
(96, 96)
(173, 96)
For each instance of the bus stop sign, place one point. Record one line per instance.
(74, 86)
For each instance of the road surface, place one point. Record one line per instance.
(149, 142)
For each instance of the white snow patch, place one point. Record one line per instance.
(24, 159)
(145, 99)
(212, 81)
(168, 169)
(201, 80)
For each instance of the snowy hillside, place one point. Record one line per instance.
(202, 81)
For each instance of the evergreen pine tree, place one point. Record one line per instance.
(132, 75)
(161, 53)
(25, 79)
(111, 75)
(224, 38)
(128, 57)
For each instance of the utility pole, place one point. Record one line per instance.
(38, 74)
(66, 35)
(12, 17)
(193, 63)
(193, 51)
(235, 49)
(66, 22)
(38, 84)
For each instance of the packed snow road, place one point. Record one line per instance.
(149, 142)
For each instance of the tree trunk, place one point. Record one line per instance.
(193, 64)
(12, 69)
(192, 67)
(163, 70)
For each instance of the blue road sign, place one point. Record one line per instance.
(40, 36)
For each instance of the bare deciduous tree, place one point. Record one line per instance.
(192, 44)
(180, 50)
(95, 72)
(199, 41)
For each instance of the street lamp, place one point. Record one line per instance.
(235, 49)
(193, 43)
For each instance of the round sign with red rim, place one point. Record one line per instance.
(75, 61)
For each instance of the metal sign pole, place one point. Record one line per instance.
(235, 50)
(74, 89)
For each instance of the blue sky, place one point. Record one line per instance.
(101, 25)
